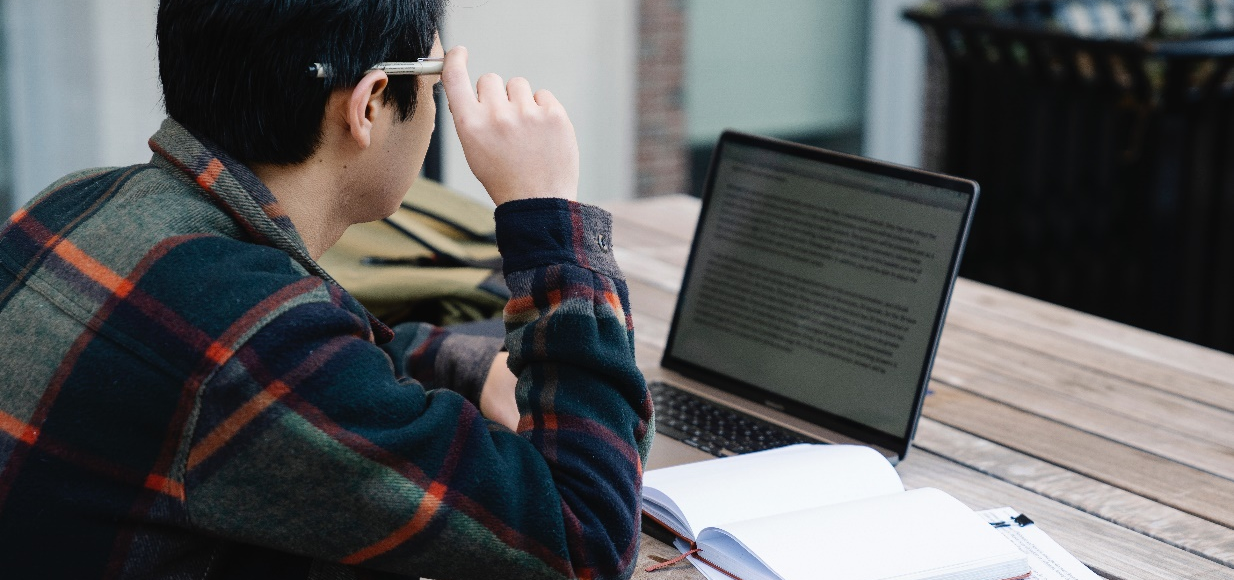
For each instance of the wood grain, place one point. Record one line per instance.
(1145, 351)
(1051, 343)
(1159, 478)
(1134, 512)
(1118, 442)
(1108, 548)
(981, 348)
(673, 216)
(1188, 432)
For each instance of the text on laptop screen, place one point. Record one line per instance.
(819, 283)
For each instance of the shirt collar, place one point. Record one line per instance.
(236, 190)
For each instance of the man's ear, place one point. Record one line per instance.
(363, 105)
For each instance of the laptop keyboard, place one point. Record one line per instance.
(713, 428)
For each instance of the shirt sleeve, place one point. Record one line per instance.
(306, 441)
(441, 358)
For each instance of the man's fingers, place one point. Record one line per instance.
(519, 91)
(491, 89)
(545, 99)
(456, 81)
(519, 144)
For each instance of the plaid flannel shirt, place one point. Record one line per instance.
(185, 394)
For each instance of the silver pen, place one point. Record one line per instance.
(422, 66)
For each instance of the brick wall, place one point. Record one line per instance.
(660, 149)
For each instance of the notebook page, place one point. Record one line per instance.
(918, 534)
(1048, 560)
(730, 489)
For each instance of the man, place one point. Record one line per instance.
(185, 394)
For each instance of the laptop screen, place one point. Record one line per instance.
(818, 282)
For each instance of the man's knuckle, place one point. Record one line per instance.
(466, 123)
(505, 120)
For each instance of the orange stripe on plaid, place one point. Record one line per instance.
(35, 230)
(273, 210)
(424, 514)
(18, 429)
(165, 486)
(243, 416)
(523, 304)
(221, 350)
(29, 435)
(275, 391)
(614, 302)
(218, 354)
(211, 174)
(107, 278)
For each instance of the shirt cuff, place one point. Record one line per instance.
(532, 233)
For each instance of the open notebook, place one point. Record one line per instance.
(822, 511)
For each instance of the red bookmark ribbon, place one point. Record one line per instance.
(667, 563)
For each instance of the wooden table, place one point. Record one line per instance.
(1118, 442)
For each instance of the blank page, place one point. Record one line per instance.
(731, 489)
(918, 534)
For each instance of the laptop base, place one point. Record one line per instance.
(667, 451)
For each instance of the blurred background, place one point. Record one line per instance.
(649, 84)
(1101, 131)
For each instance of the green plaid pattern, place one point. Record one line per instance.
(185, 394)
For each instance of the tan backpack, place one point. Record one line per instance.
(435, 260)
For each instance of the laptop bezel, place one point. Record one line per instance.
(758, 396)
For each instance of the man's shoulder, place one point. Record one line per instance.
(144, 260)
(135, 205)
(219, 286)
(189, 299)
(136, 224)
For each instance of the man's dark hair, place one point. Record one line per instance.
(236, 71)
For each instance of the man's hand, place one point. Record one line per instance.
(497, 394)
(518, 144)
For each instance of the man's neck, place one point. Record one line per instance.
(308, 193)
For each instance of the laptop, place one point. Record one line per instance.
(812, 302)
